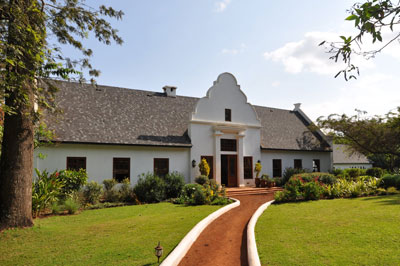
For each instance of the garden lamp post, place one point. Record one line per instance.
(158, 251)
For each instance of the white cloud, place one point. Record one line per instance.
(220, 6)
(230, 51)
(276, 83)
(376, 93)
(306, 56)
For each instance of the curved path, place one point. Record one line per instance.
(224, 241)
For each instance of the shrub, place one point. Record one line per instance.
(375, 172)
(150, 188)
(45, 190)
(278, 181)
(352, 172)
(312, 191)
(201, 180)
(125, 193)
(92, 192)
(73, 181)
(221, 201)
(71, 205)
(279, 196)
(258, 168)
(337, 172)
(204, 167)
(289, 172)
(111, 194)
(392, 191)
(390, 181)
(324, 178)
(327, 179)
(174, 183)
(193, 194)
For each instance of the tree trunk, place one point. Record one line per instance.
(16, 165)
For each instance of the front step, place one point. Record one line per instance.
(232, 192)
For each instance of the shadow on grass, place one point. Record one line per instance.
(385, 200)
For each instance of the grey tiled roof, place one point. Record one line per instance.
(342, 154)
(111, 115)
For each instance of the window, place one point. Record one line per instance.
(161, 166)
(316, 166)
(121, 168)
(228, 115)
(228, 144)
(210, 161)
(248, 167)
(76, 163)
(298, 164)
(277, 168)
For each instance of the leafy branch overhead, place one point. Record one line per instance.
(29, 32)
(372, 19)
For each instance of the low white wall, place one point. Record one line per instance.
(288, 158)
(99, 159)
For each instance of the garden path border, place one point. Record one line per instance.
(183, 247)
(252, 253)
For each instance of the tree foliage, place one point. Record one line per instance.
(371, 18)
(371, 136)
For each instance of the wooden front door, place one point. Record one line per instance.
(229, 170)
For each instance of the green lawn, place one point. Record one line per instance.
(114, 236)
(362, 231)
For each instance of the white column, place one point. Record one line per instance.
(240, 160)
(217, 156)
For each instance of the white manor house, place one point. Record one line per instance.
(118, 132)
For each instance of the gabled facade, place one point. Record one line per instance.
(114, 132)
(344, 157)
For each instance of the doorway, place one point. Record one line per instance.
(229, 170)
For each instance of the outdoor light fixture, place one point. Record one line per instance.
(258, 161)
(194, 163)
(158, 251)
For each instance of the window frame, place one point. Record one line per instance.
(251, 167)
(129, 168)
(275, 169)
(228, 115)
(154, 166)
(75, 157)
(317, 165)
(298, 160)
(228, 145)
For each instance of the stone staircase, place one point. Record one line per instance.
(246, 191)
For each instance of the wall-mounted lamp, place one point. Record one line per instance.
(194, 163)
(258, 161)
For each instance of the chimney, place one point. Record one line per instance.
(170, 91)
(297, 106)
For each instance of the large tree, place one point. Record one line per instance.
(377, 136)
(372, 19)
(29, 30)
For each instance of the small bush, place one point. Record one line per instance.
(73, 181)
(125, 192)
(278, 181)
(201, 180)
(221, 201)
(391, 191)
(92, 192)
(150, 188)
(352, 172)
(174, 183)
(375, 172)
(194, 194)
(279, 196)
(312, 191)
(337, 172)
(204, 167)
(289, 172)
(390, 181)
(111, 194)
(71, 205)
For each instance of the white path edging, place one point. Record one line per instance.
(252, 253)
(183, 247)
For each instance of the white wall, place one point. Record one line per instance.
(352, 165)
(288, 158)
(99, 159)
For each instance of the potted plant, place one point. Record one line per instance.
(257, 169)
(264, 180)
(270, 182)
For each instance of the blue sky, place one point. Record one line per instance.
(270, 46)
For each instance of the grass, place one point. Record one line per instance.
(362, 231)
(114, 236)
